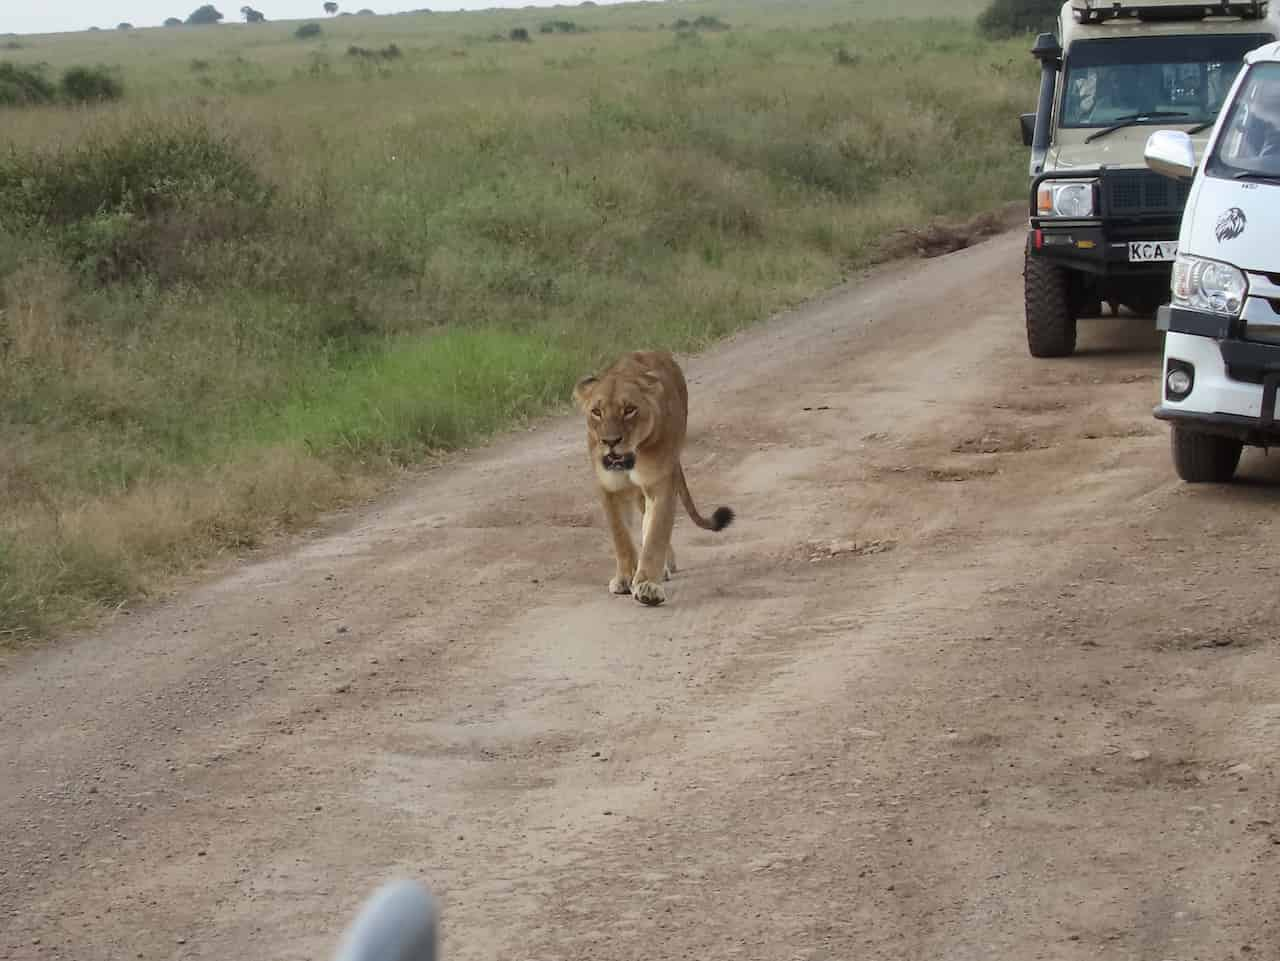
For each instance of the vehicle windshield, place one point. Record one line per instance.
(1127, 78)
(1250, 140)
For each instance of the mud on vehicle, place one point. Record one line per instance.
(1222, 342)
(1104, 228)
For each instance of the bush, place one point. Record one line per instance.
(172, 22)
(307, 31)
(208, 14)
(700, 23)
(24, 86)
(520, 35)
(124, 26)
(390, 52)
(136, 204)
(1009, 18)
(559, 26)
(90, 85)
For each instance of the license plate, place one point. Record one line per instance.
(1152, 251)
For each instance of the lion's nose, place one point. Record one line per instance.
(611, 441)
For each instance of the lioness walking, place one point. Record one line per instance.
(637, 415)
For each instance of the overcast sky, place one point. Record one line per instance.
(53, 16)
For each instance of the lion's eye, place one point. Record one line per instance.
(595, 412)
(628, 411)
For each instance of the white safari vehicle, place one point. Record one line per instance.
(1222, 342)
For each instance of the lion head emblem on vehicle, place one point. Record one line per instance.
(1230, 225)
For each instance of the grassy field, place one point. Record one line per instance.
(275, 272)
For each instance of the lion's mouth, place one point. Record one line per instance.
(614, 461)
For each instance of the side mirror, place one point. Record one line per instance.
(1028, 121)
(1171, 153)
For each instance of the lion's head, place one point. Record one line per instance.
(1230, 225)
(622, 414)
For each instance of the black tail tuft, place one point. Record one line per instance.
(721, 519)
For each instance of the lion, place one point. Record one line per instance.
(637, 414)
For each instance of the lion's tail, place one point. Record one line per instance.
(721, 518)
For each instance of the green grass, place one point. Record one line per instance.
(274, 272)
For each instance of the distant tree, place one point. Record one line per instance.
(307, 31)
(124, 26)
(251, 15)
(173, 22)
(95, 29)
(366, 12)
(205, 15)
(330, 7)
(520, 35)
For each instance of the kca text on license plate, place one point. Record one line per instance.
(1143, 251)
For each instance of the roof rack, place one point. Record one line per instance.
(1097, 11)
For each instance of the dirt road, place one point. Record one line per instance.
(973, 676)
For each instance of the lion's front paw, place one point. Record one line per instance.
(620, 585)
(649, 593)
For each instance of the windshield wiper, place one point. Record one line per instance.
(1131, 120)
(1202, 127)
(1261, 178)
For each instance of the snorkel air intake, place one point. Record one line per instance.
(1049, 52)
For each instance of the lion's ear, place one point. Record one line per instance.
(581, 387)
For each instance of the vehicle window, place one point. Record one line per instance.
(1109, 80)
(1250, 138)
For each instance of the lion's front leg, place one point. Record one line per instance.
(670, 567)
(659, 518)
(617, 509)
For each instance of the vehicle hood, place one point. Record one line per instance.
(1124, 148)
(1235, 222)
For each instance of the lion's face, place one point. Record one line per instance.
(620, 418)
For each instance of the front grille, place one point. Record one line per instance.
(1137, 193)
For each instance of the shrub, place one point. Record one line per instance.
(13, 44)
(844, 58)
(124, 26)
(90, 85)
(208, 14)
(559, 26)
(22, 86)
(307, 31)
(200, 66)
(520, 35)
(700, 23)
(172, 22)
(1009, 18)
(135, 204)
(390, 52)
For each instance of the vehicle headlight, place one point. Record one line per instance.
(1208, 285)
(1066, 198)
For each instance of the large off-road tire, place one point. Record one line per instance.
(1204, 458)
(1051, 310)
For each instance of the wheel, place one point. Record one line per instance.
(1204, 458)
(1051, 321)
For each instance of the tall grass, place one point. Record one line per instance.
(248, 291)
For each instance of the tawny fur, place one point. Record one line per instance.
(637, 417)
